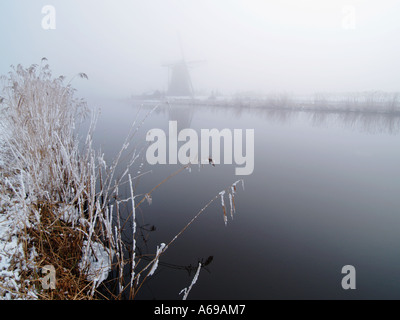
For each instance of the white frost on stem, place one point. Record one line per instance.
(160, 250)
(231, 204)
(133, 231)
(222, 193)
(187, 290)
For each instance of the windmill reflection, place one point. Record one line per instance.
(182, 114)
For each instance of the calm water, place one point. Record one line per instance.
(325, 193)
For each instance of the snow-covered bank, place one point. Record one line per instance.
(13, 261)
(12, 257)
(9, 251)
(60, 203)
(41, 174)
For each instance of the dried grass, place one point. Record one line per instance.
(70, 197)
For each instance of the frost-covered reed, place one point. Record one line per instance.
(58, 178)
(69, 205)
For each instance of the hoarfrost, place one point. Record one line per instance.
(149, 198)
(160, 250)
(97, 265)
(231, 202)
(222, 193)
(133, 231)
(186, 291)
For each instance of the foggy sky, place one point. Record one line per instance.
(299, 46)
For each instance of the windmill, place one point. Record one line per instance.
(179, 80)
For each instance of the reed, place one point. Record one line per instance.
(67, 197)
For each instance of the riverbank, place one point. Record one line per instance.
(12, 255)
(371, 102)
(61, 225)
(47, 193)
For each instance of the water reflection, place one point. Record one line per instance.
(321, 198)
(367, 121)
(370, 123)
(182, 114)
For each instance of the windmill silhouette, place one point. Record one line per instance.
(179, 80)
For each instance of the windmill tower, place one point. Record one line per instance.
(179, 80)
